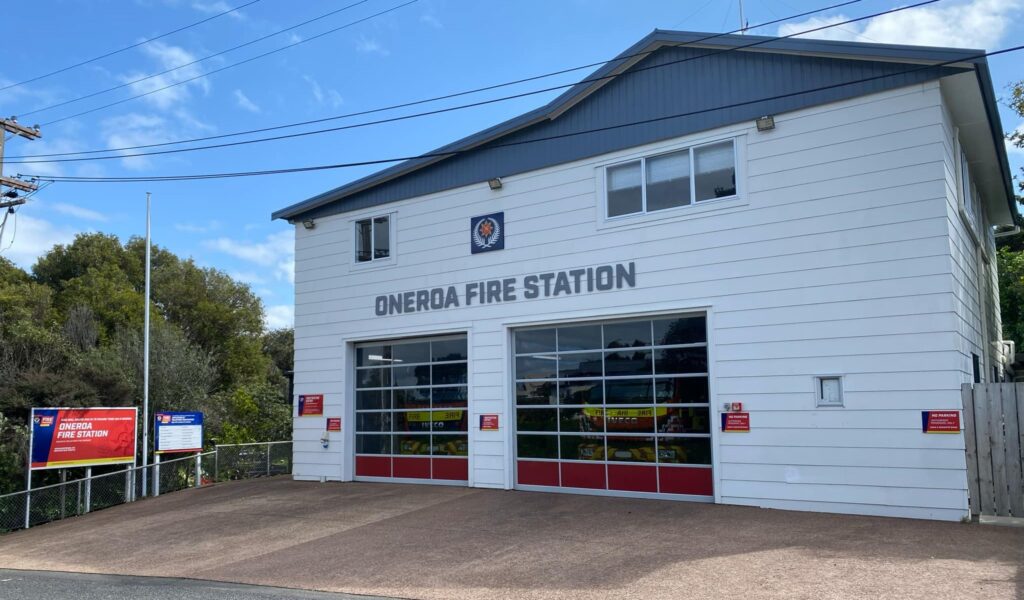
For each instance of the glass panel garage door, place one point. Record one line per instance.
(621, 405)
(411, 409)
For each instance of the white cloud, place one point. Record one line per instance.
(329, 97)
(197, 228)
(213, 8)
(26, 238)
(367, 45)
(168, 57)
(139, 129)
(79, 212)
(279, 316)
(971, 24)
(1012, 148)
(247, 277)
(432, 21)
(276, 252)
(245, 103)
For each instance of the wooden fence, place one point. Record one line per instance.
(994, 436)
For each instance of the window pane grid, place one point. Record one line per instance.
(653, 424)
(412, 409)
(671, 180)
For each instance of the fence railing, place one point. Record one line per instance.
(225, 462)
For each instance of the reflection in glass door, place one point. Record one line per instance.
(412, 409)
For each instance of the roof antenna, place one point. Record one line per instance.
(743, 22)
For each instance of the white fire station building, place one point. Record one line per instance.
(724, 269)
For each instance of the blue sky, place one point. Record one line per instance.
(429, 48)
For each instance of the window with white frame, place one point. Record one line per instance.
(373, 239)
(671, 180)
(968, 196)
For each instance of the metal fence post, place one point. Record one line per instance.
(268, 459)
(156, 475)
(88, 489)
(78, 503)
(199, 469)
(127, 485)
(216, 464)
(63, 492)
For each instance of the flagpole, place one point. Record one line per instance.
(145, 363)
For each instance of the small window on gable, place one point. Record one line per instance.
(671, 180)
(373, 239)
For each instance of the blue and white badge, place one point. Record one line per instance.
(487, 233)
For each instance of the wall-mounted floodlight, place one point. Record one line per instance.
(309, 223)
(494, 184)
(765, 123)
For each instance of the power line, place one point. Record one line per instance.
(422, 101)
(218, 70)
(522, 142)
(126, 48)
(463, 106)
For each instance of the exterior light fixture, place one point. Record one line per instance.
(309, 223)
(765, 123)
(494, 184)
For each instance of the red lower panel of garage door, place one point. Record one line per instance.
(408, 467)
(695, 481)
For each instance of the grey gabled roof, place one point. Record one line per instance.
(333, 201)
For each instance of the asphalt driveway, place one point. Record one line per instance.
(437, 542)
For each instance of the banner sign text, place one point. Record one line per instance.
(82, 437)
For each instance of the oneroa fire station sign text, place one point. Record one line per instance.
(540, 285)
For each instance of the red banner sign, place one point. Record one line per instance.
(333, 423)
(82, 437)
(940, 421)
(736, 422)
(311, 405)
(488, 422)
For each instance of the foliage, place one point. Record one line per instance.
(1011, 248)
(71, 334)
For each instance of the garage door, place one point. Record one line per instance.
(411, 409)
(617, 406)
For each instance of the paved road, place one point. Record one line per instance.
(55, 585)
(455, 543)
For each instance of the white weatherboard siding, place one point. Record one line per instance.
(836, 259)
(976, 280)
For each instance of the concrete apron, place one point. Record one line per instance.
(437, 542)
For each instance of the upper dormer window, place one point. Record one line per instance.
(373, 239)
(671, 180)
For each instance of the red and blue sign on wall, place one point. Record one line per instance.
(82, 437)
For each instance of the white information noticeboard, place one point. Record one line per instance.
(179, 432)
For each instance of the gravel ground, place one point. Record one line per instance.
(435, 542)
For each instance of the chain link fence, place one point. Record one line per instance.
(226, 462)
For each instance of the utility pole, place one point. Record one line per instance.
(9, 198)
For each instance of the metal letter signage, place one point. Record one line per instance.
(492, 291)
(487, 233)
(82, 437)
(940, 421)
(178, 432)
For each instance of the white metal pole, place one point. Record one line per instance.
(156, 475)
(145, 361)
(28, 465)
(88, 489)
(199, 469)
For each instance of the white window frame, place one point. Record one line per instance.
(967, 195)
(819, 402)
(373, 262)
(694, 203)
